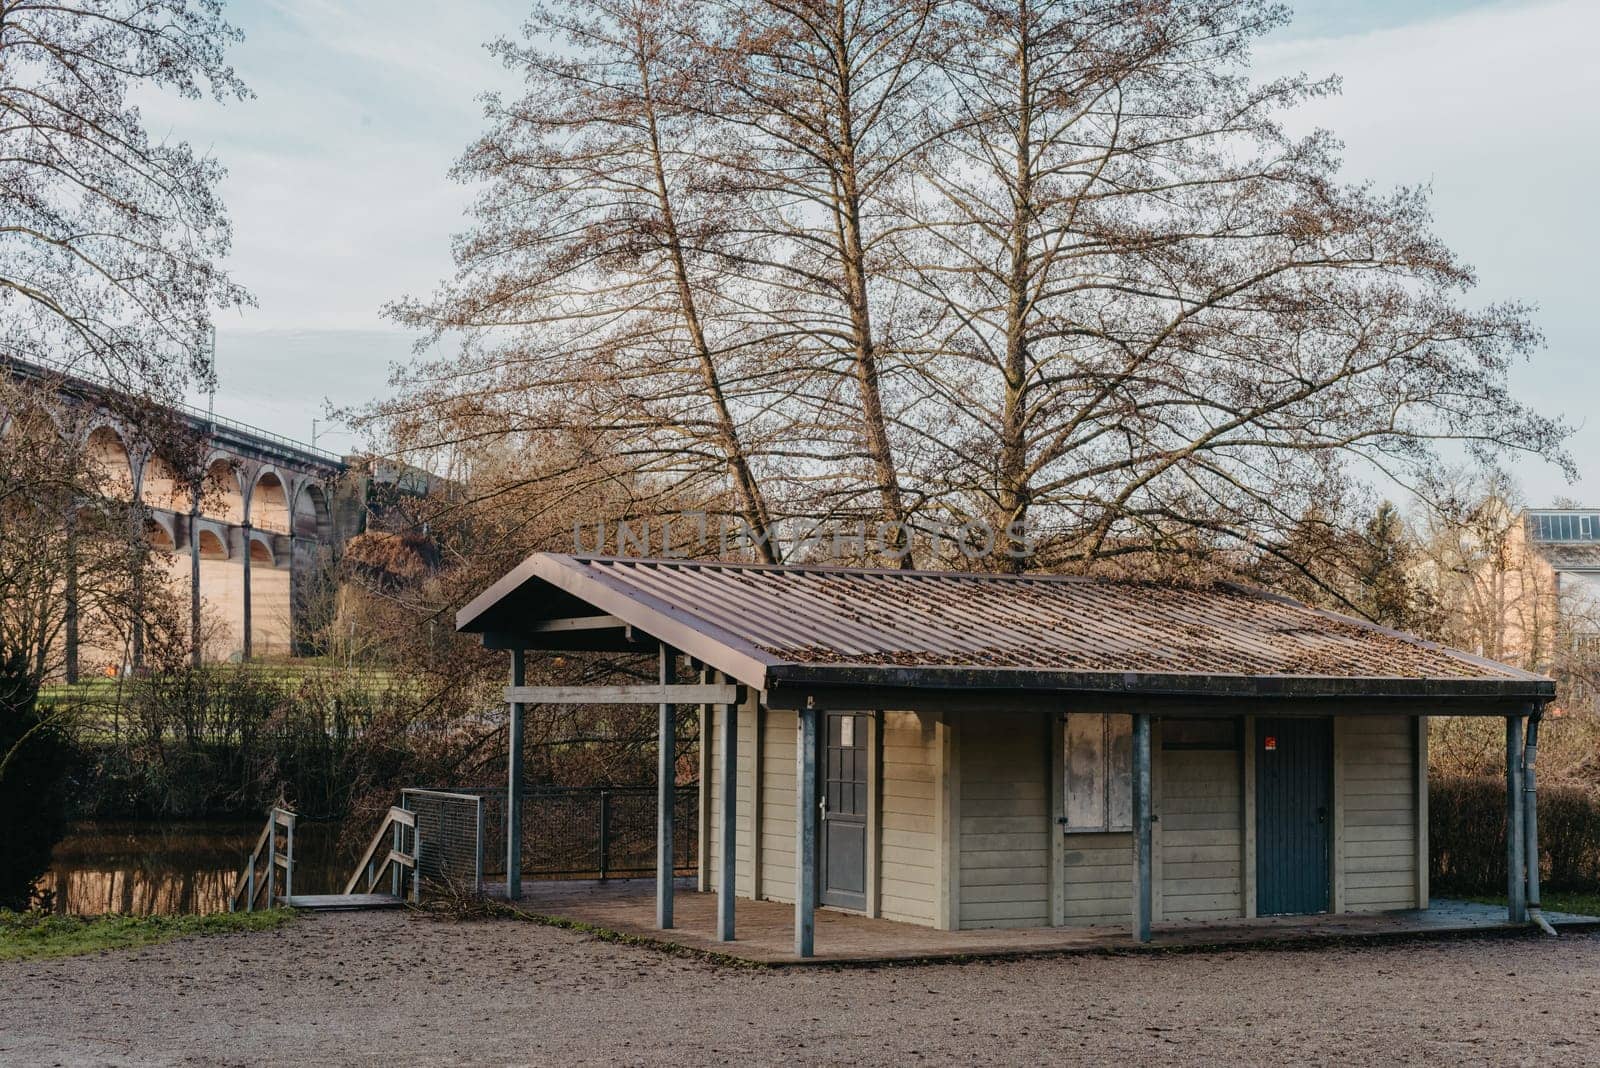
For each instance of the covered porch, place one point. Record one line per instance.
(766, 931)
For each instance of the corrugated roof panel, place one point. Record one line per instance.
(839, 616)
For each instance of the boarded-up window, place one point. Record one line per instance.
(1099, 772)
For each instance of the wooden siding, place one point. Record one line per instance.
(777, 806)
(1376, 793)
(1097, 879)
(908, 846)
(744, 881)
(1202, 839)
(743, 868)
(1005, 823)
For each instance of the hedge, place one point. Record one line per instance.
(1467, 835)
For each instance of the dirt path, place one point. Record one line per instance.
(393, 989)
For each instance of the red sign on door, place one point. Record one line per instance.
(1271, 743)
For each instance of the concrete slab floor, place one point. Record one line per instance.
(764, 930)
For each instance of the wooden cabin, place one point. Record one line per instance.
(974, 750)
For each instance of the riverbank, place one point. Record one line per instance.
(150, 867)
(395, 988)
(40, 935)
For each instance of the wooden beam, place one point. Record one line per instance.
(561, 626)
(1167, 706)
(658, 694)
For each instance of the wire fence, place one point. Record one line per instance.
(590, 832)
(448, 836)
(583, 832)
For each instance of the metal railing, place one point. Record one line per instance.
(399, 829)
(593, 832)
(458, 836)
(246, 885)
(45, 368)
(452, 826)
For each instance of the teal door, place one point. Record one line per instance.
(1294, 820)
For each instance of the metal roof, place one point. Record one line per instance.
(785, 626)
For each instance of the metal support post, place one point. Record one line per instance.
(1141, 825)
(514, 783)
(805, 811)
(1516, 886)
(728, 834)
(666, 788)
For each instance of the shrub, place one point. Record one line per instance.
(1467, 835)
(35, 755)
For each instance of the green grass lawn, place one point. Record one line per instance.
(1581, 903)
(35, 935)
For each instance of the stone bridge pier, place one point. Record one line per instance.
(241, 537)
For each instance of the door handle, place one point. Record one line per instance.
(1322, 814)
(823, 805)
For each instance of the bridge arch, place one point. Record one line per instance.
(110, 462)
(261, 551)
(312, 516)
(220, 495)
(268, 507)
(212, 545)
(162, 487)
(159, 535)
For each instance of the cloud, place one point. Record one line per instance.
(1494, 109)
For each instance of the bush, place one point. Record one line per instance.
(224, 740)
(35, 755)
(1467, 835)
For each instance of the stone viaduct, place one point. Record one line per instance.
(240, 534)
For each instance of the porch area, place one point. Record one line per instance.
(765, 931)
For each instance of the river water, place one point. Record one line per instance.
(149, 868)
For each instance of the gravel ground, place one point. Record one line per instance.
(396, 989)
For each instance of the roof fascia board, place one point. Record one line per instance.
(787, 676)
(1169, 706)
(636, 608)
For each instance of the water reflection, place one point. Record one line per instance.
(149, 868)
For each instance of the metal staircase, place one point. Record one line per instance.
(247, 887)
(399, 862)
(392, 869)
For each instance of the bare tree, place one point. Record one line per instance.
(821, 104)
(1053, 265)
(583, 293)
(1160, 313)
(110, 240)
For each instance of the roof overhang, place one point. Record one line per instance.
(554, 602)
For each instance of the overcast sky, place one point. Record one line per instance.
(338, 189)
